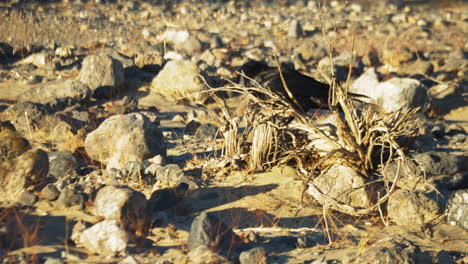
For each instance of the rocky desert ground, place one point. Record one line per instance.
(131, 132)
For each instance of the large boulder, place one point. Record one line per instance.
(123, 138)
(103, 75)
(125, 205)
(63, 92)
(179, 79)
(27, 170)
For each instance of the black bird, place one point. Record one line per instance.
(306, 91)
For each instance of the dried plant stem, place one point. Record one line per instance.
(327, 229)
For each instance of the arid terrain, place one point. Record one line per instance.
(139, 132)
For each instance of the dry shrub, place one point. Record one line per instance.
(280, 133)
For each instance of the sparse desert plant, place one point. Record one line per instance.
(366, 139)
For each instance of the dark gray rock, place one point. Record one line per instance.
(439, 163)
(453, 130)
(57, 94)
(103, 75)
(440, 169)
(192, 126)
(206, 131)
(6, 50)
(62, 164)
(438, 131)
(388, 251)
(50, 192)
(310, 240)
(457, 209)
(254, 256)
(165, 198)
(210, 231)
(27, 198)
(69, 198)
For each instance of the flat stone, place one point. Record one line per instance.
(60, 92)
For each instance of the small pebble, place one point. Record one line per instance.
(295, 29)
(50, 192)
(438, 131)
(254, 256)
(69, 198)
(459, 138)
